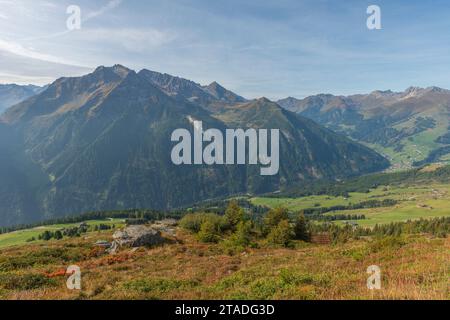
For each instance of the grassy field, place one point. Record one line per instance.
(20, 237)
(416, 267)
(426, 201)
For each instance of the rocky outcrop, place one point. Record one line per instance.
(167, 226)
(138, 236)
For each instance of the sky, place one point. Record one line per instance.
(271, 48)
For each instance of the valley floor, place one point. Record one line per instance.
(414, 202)
(416, 267)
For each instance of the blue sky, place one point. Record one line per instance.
(256, 48)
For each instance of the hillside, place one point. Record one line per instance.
(309, 149)
(412, 267)
(11, 94)
(102, 142)
(243, 263)
(406, 126)
(381, 205)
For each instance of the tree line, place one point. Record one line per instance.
(365, 183)
(279, 227)
(149, 215)
(236, 229)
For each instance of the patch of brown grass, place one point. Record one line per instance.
(416, 268)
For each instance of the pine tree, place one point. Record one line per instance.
(58, 235)
(242, 236)
(234, 214)
(47, 235)
(208, 232)
(274, 217)
(282, 234)
(301, 228)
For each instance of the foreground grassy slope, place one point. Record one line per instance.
(416, 267)
(424, 201)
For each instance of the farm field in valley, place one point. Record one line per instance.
(414, 202)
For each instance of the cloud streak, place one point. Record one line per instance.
(18, 49)
(131, 39)
(109, 6)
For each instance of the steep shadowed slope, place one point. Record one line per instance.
(308, 151)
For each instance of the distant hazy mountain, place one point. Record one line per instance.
(409, 127)
(102, 141)
(11, 94)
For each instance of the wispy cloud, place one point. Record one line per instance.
(109, 6)
(18, 49)
(273, 48)
(131, 39)
(112, 4)
(6, 78)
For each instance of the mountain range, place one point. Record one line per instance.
(102, 142)
(409, 128)
(11, 94)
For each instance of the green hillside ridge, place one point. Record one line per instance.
(406, 127)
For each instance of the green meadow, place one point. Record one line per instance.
(415, 202)
(22, 236)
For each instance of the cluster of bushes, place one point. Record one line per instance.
(150, 215)
(25, 282)
(60, 234)
(235, 229)
(439, 227)
(71, 232)
(220, 206)
(103, 227)
(48, 235)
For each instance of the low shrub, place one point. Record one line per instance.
(193, 222)
(281, 235)
(25, 282)
(159, 285)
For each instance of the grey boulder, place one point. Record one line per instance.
(138, 236)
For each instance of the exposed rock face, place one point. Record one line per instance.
(138, 236)
(166, 226)
(167, 222)
(103, 244)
